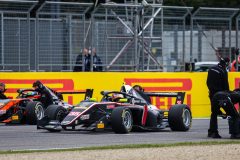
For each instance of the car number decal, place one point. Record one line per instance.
(74, 113)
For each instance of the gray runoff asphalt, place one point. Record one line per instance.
(27, 137)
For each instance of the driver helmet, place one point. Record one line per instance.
(38, 85)
(2, 87)
(138, 88)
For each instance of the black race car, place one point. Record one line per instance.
(27, 108)
(122, 112)
(23, 109)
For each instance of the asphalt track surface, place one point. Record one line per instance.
(27, 137)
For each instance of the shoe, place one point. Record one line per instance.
(235, 136)
(214, 135)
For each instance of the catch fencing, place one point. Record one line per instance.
(127, 37)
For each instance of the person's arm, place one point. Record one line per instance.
(46, 98)
(79, 59)
(78, 66)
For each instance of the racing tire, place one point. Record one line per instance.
(179, 117)
(121, 120)
(34, 112)
(55, 112)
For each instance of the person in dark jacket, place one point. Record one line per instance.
(227, 100)
(97, 63)
(2, 90)
(46, 98)
(217, 80)
(84, 59)
(87, 60)
(78, 64)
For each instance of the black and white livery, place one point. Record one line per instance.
(123, 111)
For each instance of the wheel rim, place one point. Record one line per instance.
(59, 115)
(186, 117)
(39, 111)
(127, 120)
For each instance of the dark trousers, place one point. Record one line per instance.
(221, 100)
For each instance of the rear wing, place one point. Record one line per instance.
(88, 92)
(179, 95)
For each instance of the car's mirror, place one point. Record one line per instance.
(123, 100)
(92, 99)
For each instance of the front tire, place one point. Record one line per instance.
(34, 112)
(180, 117)
(121, 120)
(55, 112)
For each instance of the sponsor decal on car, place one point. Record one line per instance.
(110, 106)
(74, 114)
(100, 125)
(15, 117)
(85, 117)
(65, 122)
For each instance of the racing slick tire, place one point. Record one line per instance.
(179, 117)
(34, 112)
(121, 120)
(55, 112)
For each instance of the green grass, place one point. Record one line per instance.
(133, 146)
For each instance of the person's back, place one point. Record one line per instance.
(46, 97)
(226, 100)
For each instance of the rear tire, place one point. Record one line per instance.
(55, 112)
(121, 120)
(34, 112)
(180, 117)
